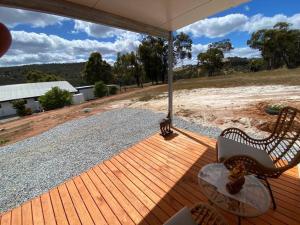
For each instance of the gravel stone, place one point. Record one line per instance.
(37, 164)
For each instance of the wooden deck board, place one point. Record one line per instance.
(145, 184)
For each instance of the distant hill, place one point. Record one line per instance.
(69, 71)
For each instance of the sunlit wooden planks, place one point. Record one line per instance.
(145, 184)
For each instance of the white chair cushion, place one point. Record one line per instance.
(228, 148)
(182, 217)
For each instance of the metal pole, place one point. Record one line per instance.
(170, 75)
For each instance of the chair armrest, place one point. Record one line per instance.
(241, 137)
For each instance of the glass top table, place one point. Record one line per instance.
(253, 200)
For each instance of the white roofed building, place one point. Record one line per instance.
(30, 92)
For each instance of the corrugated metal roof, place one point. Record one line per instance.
(29, 90)
(84, 87)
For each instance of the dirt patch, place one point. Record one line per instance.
(242, 107)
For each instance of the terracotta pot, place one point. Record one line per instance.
(5, 39)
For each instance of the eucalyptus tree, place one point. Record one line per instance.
(153, 53)
(183, 46)
(128, 68)
(212, 59)
(279, 45)
(97, 69)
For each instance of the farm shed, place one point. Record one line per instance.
(30, 92)
(87, 91)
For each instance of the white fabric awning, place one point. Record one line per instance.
(155, 17)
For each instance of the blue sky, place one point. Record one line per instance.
(42, 38)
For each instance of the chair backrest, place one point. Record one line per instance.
(284, 143)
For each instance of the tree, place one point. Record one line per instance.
(212, 59)
(100, 89)
(128, 69)
(97, 69)
(278, 46)
(119, 70)
(33, 76)
(55, 98)
(183, 46)
(135, 69)
(256, 65)
(153, 53)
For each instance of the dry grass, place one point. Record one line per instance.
(274, 77)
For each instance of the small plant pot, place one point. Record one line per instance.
(272, 111)
(236, 185)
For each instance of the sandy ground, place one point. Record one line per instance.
(242, 107)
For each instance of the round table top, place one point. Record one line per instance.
(253, 200)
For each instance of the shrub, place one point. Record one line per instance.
(20, 107)
(113, 90)
(55, 98)
(274, 109)
(256, 65)
(100, 89)
(3, 141)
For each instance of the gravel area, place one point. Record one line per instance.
(35, 165)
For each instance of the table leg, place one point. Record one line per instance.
(239, 220)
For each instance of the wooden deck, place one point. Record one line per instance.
(145, 184)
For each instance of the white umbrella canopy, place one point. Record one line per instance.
(155, 17)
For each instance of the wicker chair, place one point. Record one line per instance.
(266, 158)
(200, 214)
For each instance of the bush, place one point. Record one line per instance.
(274, 109)
(256, 65)
(3, 141)
(100, 89)
(113, 90)
(20, 107)
(55, 98)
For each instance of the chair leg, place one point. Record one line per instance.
(271, 193)
(270, 190)
(217, 157)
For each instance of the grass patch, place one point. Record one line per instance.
(3, 141)
(273, 77)
(145, 98)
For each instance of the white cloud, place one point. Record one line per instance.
(217, 26)
(31, 48)
(244, 52)
(259, 21)
(221, 26)
(35, 48)
(96, 30)
(13, 17)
